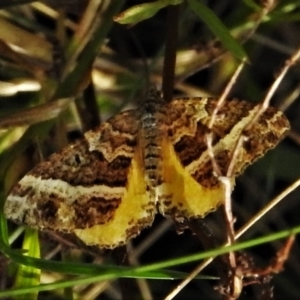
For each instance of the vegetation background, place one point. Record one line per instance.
(66, 64)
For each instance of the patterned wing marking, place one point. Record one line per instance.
(234, 116)
(181, 196)
(191, 189)
(117, 136)
(135, 212)
(84, 186)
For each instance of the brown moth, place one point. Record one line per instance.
(107, 187)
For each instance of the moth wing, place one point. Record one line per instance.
(190, 188)
(135, 212)
(87, 186)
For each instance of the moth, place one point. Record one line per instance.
(108, 186)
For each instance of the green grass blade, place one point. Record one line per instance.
(28, 276)
(141, 12)
(109, 271)
(146, 271)
(218, 28)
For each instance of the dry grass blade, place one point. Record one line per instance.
(36, 114)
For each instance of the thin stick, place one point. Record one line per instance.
(266, 102)
(225, 179)
(226, 92)
(209, 138)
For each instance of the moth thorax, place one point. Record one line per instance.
(153, 117)
(151, 139)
